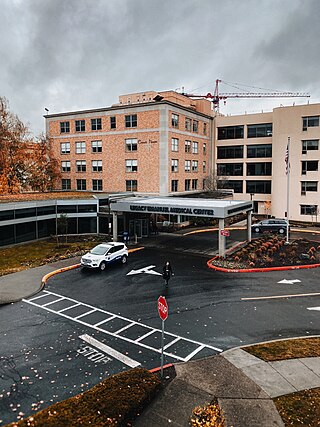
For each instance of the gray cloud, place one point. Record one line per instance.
(78, 54)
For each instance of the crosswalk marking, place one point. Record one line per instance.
(104, 321)
(52, 302)
(67, 308)
(36, 301)
(85, 314)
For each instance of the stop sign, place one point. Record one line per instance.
(162, 308)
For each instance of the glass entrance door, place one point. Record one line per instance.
(139, 227)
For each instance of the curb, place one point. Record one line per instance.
(60, 270)
(153, 370)
(72, 267)
(242, 347)
(258, 270)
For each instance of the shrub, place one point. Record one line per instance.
(113, 402)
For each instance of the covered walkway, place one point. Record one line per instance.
(186, 207)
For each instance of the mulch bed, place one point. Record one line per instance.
(272, 251)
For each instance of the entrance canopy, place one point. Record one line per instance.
(210, 208)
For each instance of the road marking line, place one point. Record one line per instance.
(39, 296)
(124, 328)
(314, 308)
(84, 314)
(68, 308)
(110, 351)
(171, 342)
(197, 350)
(146, 335)
(104, 321)
(280, 296)
(113, 316)
(52, 302)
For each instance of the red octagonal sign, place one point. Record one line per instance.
(162, 308)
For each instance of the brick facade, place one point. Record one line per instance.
(146, 160)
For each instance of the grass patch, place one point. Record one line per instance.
(29, 255)
(300, 409)
(114, 402)
(286, 349)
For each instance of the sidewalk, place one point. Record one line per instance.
(243, 384)
(23, 284)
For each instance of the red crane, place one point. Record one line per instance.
(217, 97)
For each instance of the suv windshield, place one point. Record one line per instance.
(99, 250)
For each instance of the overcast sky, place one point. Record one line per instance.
(68, 55)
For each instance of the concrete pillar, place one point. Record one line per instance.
(115, 226)
(249, 223)
(222, 239)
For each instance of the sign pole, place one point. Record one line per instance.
(162, 345)
(163, 313)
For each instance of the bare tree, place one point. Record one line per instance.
(215, 185)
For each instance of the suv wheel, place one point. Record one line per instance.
(103, 266)
(124, 259)
(281, 230)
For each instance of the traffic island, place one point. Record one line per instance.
(269, 253)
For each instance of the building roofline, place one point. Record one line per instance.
(120, 107)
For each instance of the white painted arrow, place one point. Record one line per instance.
(314, 308)
(289, 282)
(147, 270)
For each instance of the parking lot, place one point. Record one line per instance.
(86, 324)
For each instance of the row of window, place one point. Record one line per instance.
(81, 184)
(261, 150)
(236, 169)
(263, 187)
(189, 146)
(262, 168)
(189, 184)
(80, 147)
(189, 165)
(236, 151)
(131, 144)
(81, 166)
(253, 131)
(261, 130)
(256, 187)
(130, 121)
(190, 125)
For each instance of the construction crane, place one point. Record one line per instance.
(217, 97)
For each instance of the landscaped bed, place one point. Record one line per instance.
(114, 402)
(270, 251)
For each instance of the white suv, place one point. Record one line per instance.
(105, 253)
